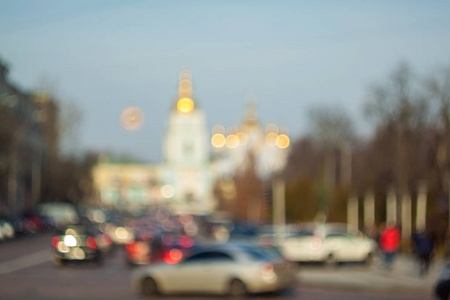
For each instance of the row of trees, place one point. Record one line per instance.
(410, 146)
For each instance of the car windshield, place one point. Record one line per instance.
(261, 254)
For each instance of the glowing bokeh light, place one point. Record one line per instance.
(121, 233)
(55, 241)
(176, 254)
(218, 140)
(168, 191)
(132, 118)
(63, 247)
(70, 241)
(283, 141)
(91, 242)
(232, 141)
(78, 253)
(185, 105)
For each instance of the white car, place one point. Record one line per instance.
(329, 243)
(226, 269)
(6, 230)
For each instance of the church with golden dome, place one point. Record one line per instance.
(194, 160)
(186, 176)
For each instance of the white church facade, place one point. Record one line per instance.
(193, 159)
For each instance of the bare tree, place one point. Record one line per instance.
(69, 116)
(438, 87)
(331, 125)
(70, 121)
(400, 107)
(333, 128)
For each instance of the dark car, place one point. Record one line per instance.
(76, 243)
(167, 247)
(442, 288)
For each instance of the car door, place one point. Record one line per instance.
(187, 275)
(217, 271)
(340, 245)
(202, 272)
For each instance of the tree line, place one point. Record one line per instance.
(409, 147)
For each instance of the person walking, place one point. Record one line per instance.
(389, 244)
(423, 246)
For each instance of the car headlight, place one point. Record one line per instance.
(70, 241)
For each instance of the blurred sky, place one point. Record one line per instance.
(293, 55)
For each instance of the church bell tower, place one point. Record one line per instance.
(186, 152)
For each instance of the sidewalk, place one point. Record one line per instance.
(403, 279)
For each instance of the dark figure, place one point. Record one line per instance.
(390, 243)
(423, 245)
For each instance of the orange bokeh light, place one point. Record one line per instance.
(283, 141)
(185, 105)
(232, 141)
(218, 140)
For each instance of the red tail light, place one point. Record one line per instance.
(131, 247)
(55, 241)
(173, 256)
(91, 242)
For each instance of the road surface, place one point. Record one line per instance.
(27, 273)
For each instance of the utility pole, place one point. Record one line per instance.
(406, 216)
(369, 209)
(421, 211)
(352, 213)
(391, 207)
(279, 210)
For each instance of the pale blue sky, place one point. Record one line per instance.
(293, 55)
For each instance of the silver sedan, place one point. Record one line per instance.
(235, 270)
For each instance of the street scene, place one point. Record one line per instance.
(27, 272)
(231, 149)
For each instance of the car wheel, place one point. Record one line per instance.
(330, 261)
(237, 288)
(149, 287)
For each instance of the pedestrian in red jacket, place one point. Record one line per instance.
(389, 244)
